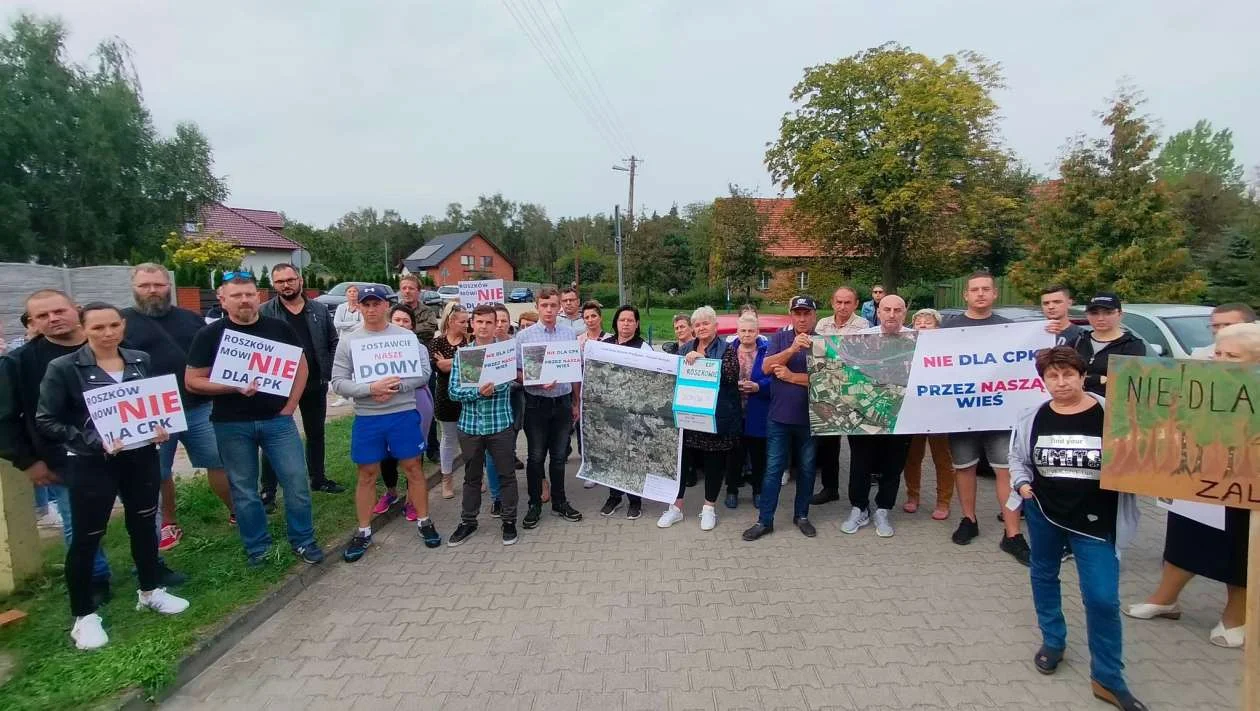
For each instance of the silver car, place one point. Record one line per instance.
(1170, 330)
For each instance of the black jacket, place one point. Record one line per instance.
(62, 417)
(1096, 363)
(21, 371)
(323, 333)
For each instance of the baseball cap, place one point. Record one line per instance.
(803, 302)
(1103, 300)
(371, 292)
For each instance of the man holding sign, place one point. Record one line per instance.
(253, 369)
(379, 366)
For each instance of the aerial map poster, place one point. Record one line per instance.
(954, 380)
(629, 441)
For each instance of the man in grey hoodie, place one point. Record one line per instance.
(386, 422)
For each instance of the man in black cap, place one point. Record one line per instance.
(1105, 340)
(787, 431)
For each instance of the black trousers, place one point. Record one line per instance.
(501, 447)
(876, 454)
(753, 450)
(827, 456)
(548, 427)
(314, 408)
(389, 472)
(715, 466)
(94, 483)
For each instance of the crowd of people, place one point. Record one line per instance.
(762, 436)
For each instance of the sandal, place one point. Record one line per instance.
(1047, 659)
(1229, 637)
(911, 506)
(940, 514)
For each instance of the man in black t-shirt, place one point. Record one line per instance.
(165, 331)
(1056, 299)
(313, 325)
(247, 421)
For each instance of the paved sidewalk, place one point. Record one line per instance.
(611, 614)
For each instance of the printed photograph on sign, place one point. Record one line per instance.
(544, 363)
(857, 383)
(1184, 430)
(470, 362)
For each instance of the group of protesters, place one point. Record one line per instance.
(762, 436)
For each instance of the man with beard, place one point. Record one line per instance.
(165, 331)
(409, 296)
(313, 325)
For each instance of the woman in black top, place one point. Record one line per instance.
(97, 472)
(1105, 340)
(682, 334)
(453, 334)
(626, 334)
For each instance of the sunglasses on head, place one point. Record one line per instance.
(232, 276)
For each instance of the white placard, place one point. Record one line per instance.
(242, 358)
(1207, 514)
(561, 362)
(695, 422)
(485, 291)
(496, 363)
(130, 412)
(380, 357)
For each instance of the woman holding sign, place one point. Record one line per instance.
(712, 451)
(1192, 548)
(99, 470)
(626, 321)
(454, 333)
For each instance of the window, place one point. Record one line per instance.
(802, 280)
(486, 262)
(191, 227)
(765, 281)
(466, 261)
(446, 272)
(1142, 327)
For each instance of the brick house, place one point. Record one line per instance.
(259, 232)
(448, 259)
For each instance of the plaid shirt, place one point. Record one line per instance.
(481, 415)
(539, 334)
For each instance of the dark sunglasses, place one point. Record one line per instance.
(231, 276)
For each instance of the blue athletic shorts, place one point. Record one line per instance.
(375, 437)
(199, 443)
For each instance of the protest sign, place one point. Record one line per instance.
(131, 412)
(696, 393)
(380, 357)
(546, 363)
(485, 291)
(242, 358)
(951, 380)
(629, 441)
(495, 363)
(1183, 430)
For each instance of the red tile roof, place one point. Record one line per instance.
(240, 227)
(267, 218)
(781, 239)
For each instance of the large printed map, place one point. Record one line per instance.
(858, 382)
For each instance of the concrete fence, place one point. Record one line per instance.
(17, 281)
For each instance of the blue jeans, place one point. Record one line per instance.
(1099, 572)
(492, 478)
(43, 496)
(278, 439)
(100, 568)
(781, 441)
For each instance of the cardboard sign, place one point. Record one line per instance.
(495, 364)
(485, 291)
(546, 363)
(1182, 429)
(131, 412)
(242, 359)
(380, 357)
(696, 393)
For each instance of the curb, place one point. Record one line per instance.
(209, 650)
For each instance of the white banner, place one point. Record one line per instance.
(485, 291)
(131, 412)
(380, 357)
(242, 358)
(546, 363)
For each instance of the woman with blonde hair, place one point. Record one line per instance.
(926, 320)
(452, 333)
(1192, 548)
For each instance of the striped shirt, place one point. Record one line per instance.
(538, 333)
(481, 415)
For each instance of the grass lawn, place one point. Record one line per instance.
(661, 321)
(145, 647)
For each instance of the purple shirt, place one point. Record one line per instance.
(789, 403)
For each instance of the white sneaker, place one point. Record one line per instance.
(161, 601)
(589, 484)
(787, 476)
(708, 518)
(883, 527)
(52, 519)
(87, 632)
(857, 519)
(672, 515)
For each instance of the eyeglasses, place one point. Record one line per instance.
(233, 276)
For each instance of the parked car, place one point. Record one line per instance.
(1171, 330)
(432, 298)
(520, 295)
(336, 296)
(728, 324)
(450, 292)
(1014, 313)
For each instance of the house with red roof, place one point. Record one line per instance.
(259, 232)
(795, 264)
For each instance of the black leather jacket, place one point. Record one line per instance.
(323, 333)
(62, 416)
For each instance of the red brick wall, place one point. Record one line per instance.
(477, 247)
(188, 297)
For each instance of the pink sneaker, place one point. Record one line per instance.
(410, 512)
(387, 500)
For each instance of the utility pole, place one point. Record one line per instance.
(634, 164)
(621, 274)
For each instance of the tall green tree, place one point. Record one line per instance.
(1200, 150)
(1234, 266)
(737, 243)
(84, 176)
(883, 154)
(1109, 224)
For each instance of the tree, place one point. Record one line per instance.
(1200, 150)
(737, 243)
(211, 252)
(884, 151)
(1234, 267)
(84, 176)
(1108, 224)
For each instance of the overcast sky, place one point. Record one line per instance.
(316, 108)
